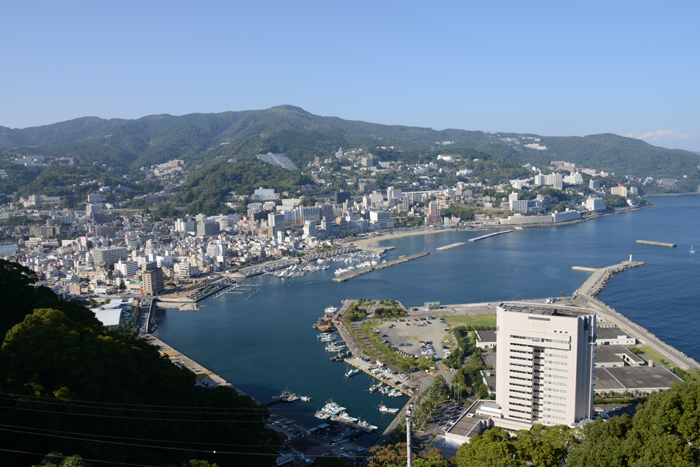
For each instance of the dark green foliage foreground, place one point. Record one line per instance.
(67, 385)
(664, 432)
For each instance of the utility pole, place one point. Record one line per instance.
(409, 413)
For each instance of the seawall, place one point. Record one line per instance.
(596, 283)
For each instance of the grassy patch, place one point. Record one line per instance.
(481, 319)
(689, 375)
(655, 356)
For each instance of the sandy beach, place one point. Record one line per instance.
(369, 243)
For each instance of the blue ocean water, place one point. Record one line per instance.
(263, 342)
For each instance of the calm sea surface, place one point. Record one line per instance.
(262, 341)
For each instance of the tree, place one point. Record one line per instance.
(56, 459)
(394, 455)
(615, 201)
(19, 294)
(493, 448)
(664, 432)
(541, 446)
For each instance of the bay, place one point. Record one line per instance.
(263, 342)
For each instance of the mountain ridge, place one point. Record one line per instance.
(157, 138)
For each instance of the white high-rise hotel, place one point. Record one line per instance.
(545, 362)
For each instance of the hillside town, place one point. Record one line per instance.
(103, 249)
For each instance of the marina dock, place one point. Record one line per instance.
(393, 262)
(366, 368)
(649, 242)
(492, 234)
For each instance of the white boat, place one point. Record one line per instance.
(330, 310)
(335, 347)
(366, 427)
(385, 409)
(691, 249)
(326, 337)
(332, 408)
(321, 415)
(352, 373)
(344, 417)
(305, 398)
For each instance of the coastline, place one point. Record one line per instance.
(370, 243)
(585, 296)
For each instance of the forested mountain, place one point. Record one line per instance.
(303, 136)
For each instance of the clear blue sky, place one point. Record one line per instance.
(551, 68)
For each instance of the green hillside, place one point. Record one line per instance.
(201, 137)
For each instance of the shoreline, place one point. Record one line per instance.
(584, 296)
(370, 243)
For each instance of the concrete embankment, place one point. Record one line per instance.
(393, 262)
(204, 376)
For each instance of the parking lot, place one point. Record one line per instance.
(407, 333)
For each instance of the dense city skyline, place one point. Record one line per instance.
(547, 69)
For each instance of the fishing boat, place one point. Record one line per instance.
(385, 409)
(330, 310)
(321, 415)
(374, 387)
(366, 427)
(335, 347)
(332, 408)
(344, 417)
(326, 337)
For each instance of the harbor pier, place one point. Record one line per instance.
(393, 262)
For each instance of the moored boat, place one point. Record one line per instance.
(366, 427)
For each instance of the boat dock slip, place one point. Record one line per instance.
(366, 368)
(449, 247)
(393, 262)
(493, 234)
(648, 242)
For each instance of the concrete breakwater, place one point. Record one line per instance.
(204, 376)
(602, 280)
(649, 242)
(596, 283)
(393, 262)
